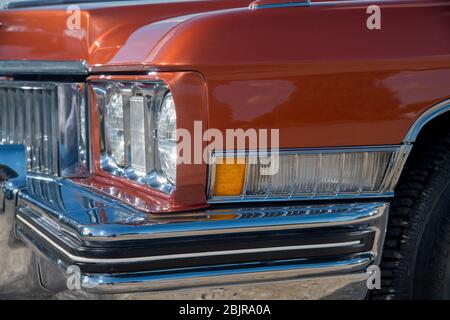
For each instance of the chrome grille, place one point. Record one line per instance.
(47, 118)
(29, 116)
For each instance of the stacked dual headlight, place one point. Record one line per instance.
(138, 132)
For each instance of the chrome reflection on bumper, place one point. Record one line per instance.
(119, 249)
(348, 269)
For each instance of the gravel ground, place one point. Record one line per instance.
(287, 291)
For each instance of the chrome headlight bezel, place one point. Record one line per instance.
(141, 105)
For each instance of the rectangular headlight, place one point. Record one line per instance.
(305, 174)
(130, 144)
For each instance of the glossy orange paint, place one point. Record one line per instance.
(316, 73)
(307, 71)
(105, 29)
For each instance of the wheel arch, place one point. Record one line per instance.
(435, 113)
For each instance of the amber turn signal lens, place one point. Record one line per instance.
(229, 178)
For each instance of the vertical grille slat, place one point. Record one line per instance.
(54, 132)
(2, 116)
(28, 128)
(20, 115)
(16, 107)
(38, 130)
(12, 131)
(35, 148)
(45, 131)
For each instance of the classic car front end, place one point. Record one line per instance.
(94, 101)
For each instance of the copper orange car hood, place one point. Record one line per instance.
(123, 32)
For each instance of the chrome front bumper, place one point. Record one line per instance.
(120, 250)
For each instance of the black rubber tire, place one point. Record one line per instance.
(416, 261)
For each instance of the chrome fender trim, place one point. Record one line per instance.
(432, 113)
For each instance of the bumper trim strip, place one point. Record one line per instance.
(89, 223)
(185, 255)
(340, 271)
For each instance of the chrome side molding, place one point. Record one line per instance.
(73, 68)
(268, 4)
(265, 4)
